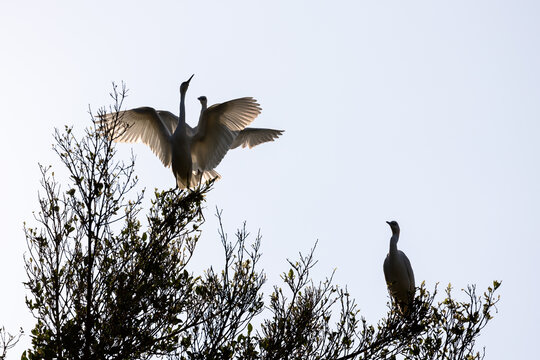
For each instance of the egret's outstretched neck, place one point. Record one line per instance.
(393, 243)
(202, 121)
(182, 117)
(204, 103)
(203, 109)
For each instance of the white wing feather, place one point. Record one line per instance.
(217, 129)
(250, 137)
(142, 125)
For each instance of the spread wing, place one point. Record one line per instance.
(169, 120)
(234, 114)
(144, 125)
(217, 129)
(250, 137)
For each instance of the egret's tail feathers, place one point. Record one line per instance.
(211, 175)
(179, 183)
(199, 177)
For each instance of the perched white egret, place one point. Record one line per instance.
(249, 137)
(398, 273)
(192, 153)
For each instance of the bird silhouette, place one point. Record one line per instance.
(191, 153)
(398, 273)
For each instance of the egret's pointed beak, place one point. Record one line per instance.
(388, 222)
(184, 86)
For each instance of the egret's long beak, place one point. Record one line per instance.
(388, 222)
(190, 78)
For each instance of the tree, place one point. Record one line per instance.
(8, 341)
(300, 322)
(103, 286)
(99, 287)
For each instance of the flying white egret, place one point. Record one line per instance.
(191, 153)
(398, 273)
(249, 137)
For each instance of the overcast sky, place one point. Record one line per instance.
(422, 112)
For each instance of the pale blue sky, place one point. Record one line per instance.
(422, 112)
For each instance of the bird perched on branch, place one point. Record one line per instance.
(192, 153)
(398, 273)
